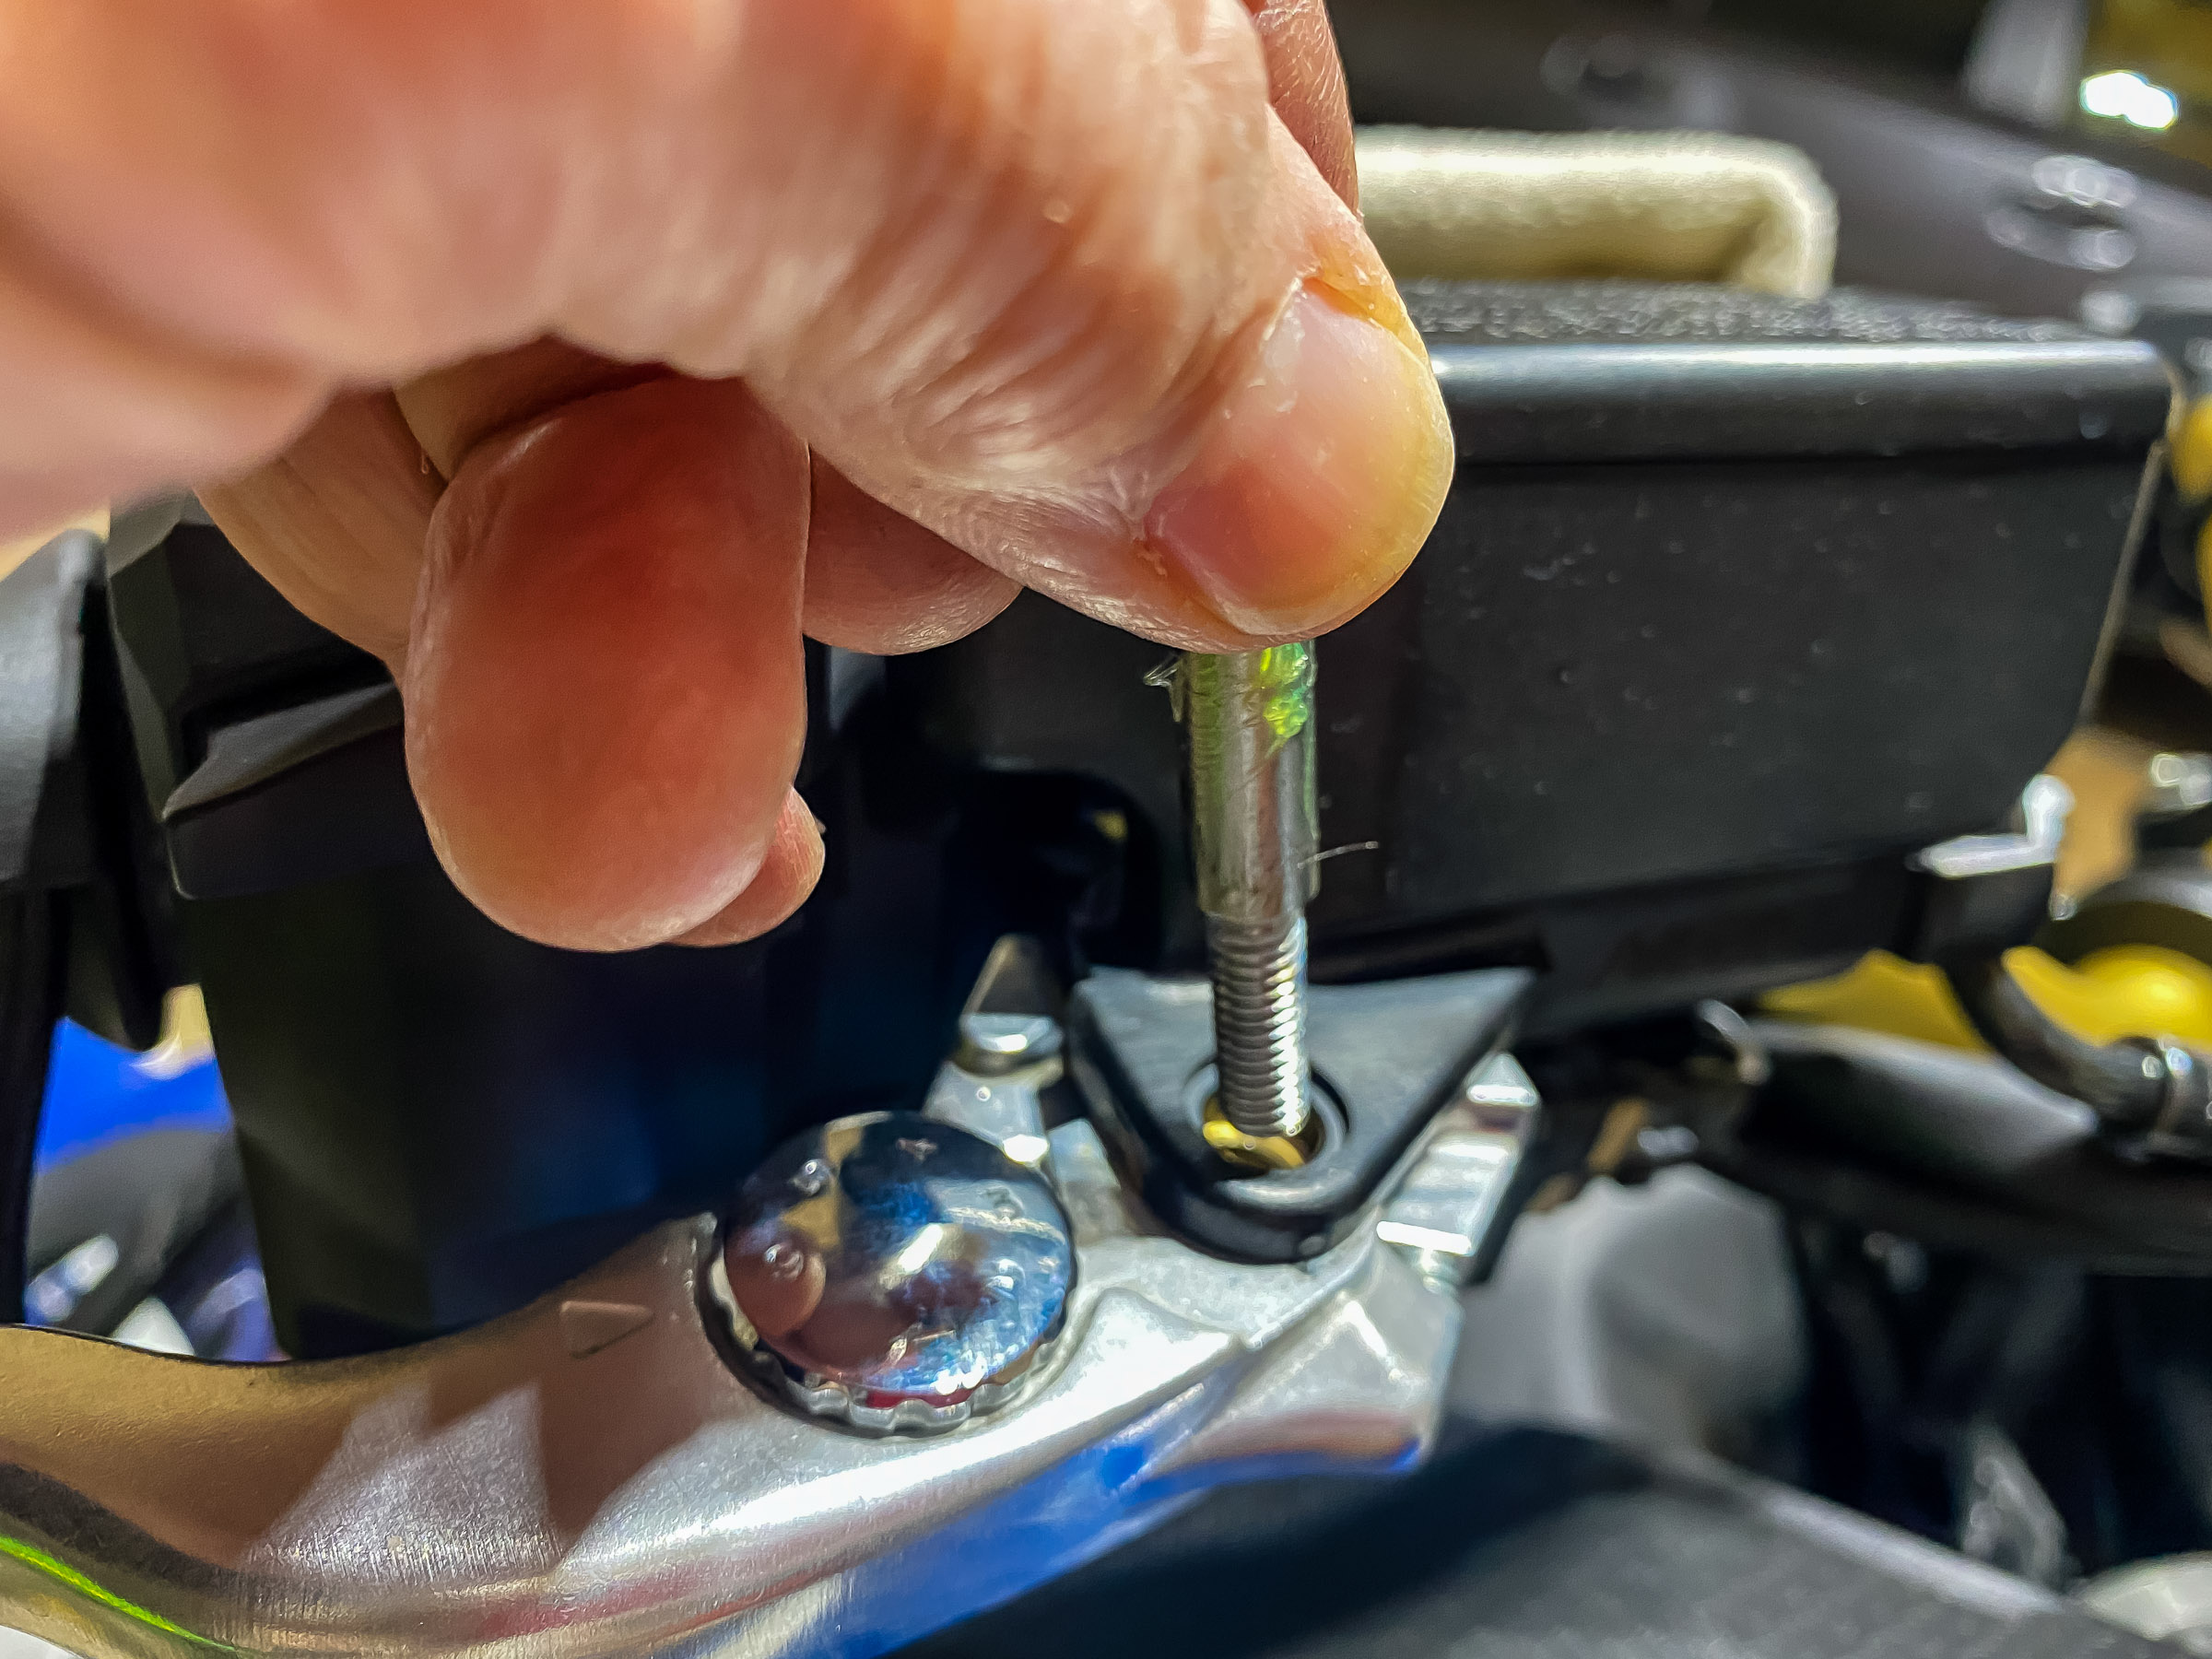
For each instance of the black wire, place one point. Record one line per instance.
(2123, 1083)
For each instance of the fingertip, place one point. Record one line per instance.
(876, 581)
(605, 682)
(788, 875)
(1317, 480)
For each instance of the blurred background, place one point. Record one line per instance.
(2042, 158)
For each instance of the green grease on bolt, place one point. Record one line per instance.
(31, 1556)
(1285, 684)
(1280, 683)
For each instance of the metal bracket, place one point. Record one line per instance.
(593, 1475)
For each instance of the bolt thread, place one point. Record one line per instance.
(1259, 975)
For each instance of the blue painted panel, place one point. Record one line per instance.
(97, 1092)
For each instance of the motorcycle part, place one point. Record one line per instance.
(1387, 1058)
(1446, 1212)
(2149, 1091)
(2165, 901)
(590, 1477)
(75, 933)
(2169, 1599)
(1777, 566)
(1247, 720)
(895, 1273)
(1957, 1151)
(1766, 556)
(1980, 895)
(1662, 207)
(1008, 1054)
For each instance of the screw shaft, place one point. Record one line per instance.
(1247, 718)
(1259, 974)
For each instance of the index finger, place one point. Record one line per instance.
(1305, 82)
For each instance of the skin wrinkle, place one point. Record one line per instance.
(1127, 402)
(1305, 82)
(1171, 288)
(378, 510)
(1089, 355)
(996, 261)
(1095, 551)
(924, 254)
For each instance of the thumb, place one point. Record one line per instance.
(1098, 319)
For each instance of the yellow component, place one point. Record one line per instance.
(2204, 560)
(185, 1039)
(1879, 993)
(1258, 1152)
(2124, 991)
(2192, 451)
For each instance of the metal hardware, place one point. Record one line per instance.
(2177, 785)
(1248, 719)
(596, 1475)
(1008, 1054)
(2044, 805)
(1007, 1023)
(1390, 1057)
(1980, 895)
(895, 1273)
(588, 1478)
(1445, 1214)
(1004, 1109)
(2183, 1126)
(2168, 1599)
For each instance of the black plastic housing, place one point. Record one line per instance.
(1734, 604)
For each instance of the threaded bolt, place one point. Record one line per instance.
(1248, 719)
(1259, 973)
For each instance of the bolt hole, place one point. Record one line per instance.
(1250, 1155)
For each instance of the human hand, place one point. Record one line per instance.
(604, 346)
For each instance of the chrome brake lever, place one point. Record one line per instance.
(591, 1476)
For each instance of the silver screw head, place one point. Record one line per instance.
(887, 1258)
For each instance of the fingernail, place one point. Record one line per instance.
(1320, 479)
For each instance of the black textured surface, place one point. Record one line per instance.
(1571, 403)
(1551, 313)
(1535, 1546)
(1390, 1056)
(1659, 700)
(206, 643)
(1650, 672)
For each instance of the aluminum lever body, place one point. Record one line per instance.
(592, 1476)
